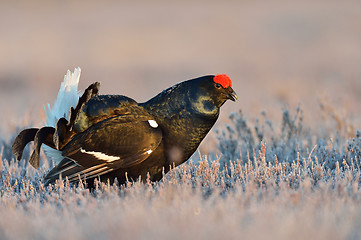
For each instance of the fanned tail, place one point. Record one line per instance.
(59, 129)
(64, 128)
(22, 140)
(67, 97)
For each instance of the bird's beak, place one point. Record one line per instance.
(232, 95)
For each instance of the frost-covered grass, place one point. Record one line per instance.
(272, 181)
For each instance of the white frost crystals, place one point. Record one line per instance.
(101, 156)
(153, 123)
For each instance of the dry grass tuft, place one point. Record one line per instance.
(281, 185)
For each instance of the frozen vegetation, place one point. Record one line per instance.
(271, 181)
(288, 175)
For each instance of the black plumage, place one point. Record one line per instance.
(111, 136)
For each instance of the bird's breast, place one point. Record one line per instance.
(182, 135)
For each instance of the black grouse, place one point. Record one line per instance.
(113, 136)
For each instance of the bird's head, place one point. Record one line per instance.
(212, 92)
(222, 89)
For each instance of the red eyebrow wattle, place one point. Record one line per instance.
(223, 79)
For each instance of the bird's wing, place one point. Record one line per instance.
(101, 107)
(114, 143)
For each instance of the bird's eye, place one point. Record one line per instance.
(218, 85)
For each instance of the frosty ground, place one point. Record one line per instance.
(271, 180)
(290, 174)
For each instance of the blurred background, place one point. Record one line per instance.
(278, 53)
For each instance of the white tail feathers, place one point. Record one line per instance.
(68, 96)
